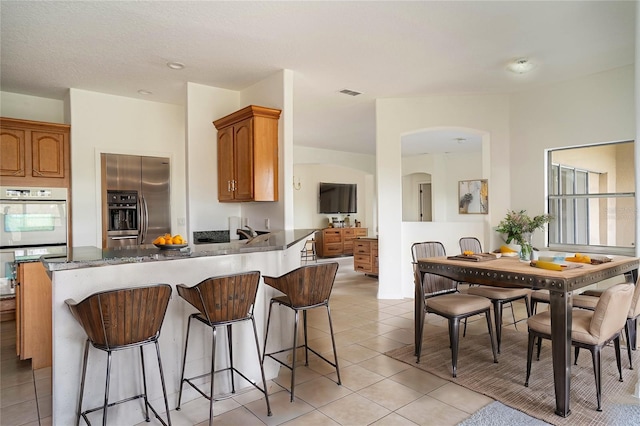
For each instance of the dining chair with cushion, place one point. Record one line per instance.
(591, 330)
(307, 287)
(588, 302)
(118, 320)
(441, 297)
(499, 296)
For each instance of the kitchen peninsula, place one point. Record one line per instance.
(87, 270)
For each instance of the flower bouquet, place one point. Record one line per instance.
(518, 227)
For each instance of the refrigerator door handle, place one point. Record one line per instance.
(144, 223)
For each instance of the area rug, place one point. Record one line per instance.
(498, 414)
(504, 381)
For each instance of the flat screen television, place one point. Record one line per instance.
(338, 198)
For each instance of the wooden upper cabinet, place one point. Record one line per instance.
(225, 166)
(48, 153)
(34, 153)
(248, 155)
(12, 152)
(243, 164)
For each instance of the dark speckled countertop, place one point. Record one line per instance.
(87, 257)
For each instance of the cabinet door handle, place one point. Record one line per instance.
(228, 186)
(233, 185)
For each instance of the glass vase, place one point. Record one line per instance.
(526, 249)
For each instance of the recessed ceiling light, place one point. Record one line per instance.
(175, 65)
(145, 92)
(520, 66)
(350, 92)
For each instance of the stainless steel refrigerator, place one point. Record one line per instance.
(149, 178)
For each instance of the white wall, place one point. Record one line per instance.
(113, 124)
(25, 107)
(314, 165)
(446, 171)
(487, 114)
(637, 132)
(275, 91)
(306, 198)
(206, 104)
(597, 108)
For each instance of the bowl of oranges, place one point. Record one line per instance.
(168, 242)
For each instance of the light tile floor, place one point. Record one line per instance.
(376, 390)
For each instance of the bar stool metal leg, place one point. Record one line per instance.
(144, 386)
(295, 350)
(306, 346)
(213, 369)
(233, 383)
(84, 375)
(333, 342)
(164, 386)
(184, 362)
(106, 390)
(264, 380)
(266, 332)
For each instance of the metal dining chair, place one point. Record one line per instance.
(441, 297)
(499, 296)
(591, 330)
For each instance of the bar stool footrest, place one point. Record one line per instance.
(221, 397)
(270, 355)
(111, 404)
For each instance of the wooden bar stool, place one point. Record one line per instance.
(304, 288)
(221, 302)
(117, 320)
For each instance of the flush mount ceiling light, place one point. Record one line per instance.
(145, 92)
(350, 92)
(175, 65)
(520, 66)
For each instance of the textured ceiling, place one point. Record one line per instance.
(382, 49)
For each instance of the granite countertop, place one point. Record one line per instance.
(86, 257)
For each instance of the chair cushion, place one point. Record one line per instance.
(579, 328)
(579, 301)
(498, 293)
(634, 310)
(585, 302)
(611, 312)
(457, 304)
(540, 295)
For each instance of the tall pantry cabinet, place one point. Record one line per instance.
(248, 155)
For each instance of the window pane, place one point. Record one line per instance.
(605, 219)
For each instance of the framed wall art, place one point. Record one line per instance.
(473, 196)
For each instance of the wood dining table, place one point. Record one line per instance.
(511, 272)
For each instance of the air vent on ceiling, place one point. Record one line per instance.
(350, 92)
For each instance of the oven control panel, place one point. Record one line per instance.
(11, 193)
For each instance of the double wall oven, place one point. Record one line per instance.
(33, 222)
